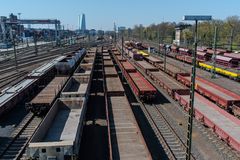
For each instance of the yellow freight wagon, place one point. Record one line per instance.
(220, 71)
(144, 54)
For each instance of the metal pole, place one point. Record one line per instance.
(192, 90)
(214, 53)
(165, 58)
(56, 33)
(35, 43)
(231, 39)
(122, 53)
(159, 40)
(122, 46)
(115, 37)
(15, 53)
(159, 48)
(27, 43)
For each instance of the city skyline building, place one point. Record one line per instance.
(82, 23)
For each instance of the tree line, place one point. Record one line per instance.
(228, 34)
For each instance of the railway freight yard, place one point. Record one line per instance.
(169, 90)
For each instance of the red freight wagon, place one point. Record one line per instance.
(119, 59)
(188, 59)
(180, 57)
(218, 51)
(128, 66)
(185, 51)
(235, 56)
(153, 60)
(221, 96)
(141, 87)
(172, 70)
(226, 61)
(204, 56)
(221, 122)
(145, 66)
(169, 84)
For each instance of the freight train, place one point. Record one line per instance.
(141, 87)
(64, 67)
(224, 59)
(205, 111)
(10, 96)
(119, 111)
(59, 134)
(230, 74)
(226, 99)
(204, 57)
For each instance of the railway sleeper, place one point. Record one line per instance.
(176, 145)
(180, 156)
(172, 142)
(16, 145)
(167, 134)
(20, 140)
(11, 152)
(165, 130)
(8, 157)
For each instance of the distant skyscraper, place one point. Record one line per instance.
(82, 23)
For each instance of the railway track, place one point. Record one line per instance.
(16, 77)
(222, 148)
(15, 147)
(28, 63)
(225, 151)
(9, 76)
(21, 53)
(29, 55)
(95, 133)
(172, 144)
(9, 65)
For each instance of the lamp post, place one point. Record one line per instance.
(13, 38)
(122, 54)
(20, 33)
(165, 57)
(214, 53)
(15, 53)
(193, 75)
(35, 42)
(159, 40)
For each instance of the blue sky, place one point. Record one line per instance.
(101, 14)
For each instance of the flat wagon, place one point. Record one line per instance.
(140, 86)
(168, 83)
(114, 86)
(59, 134)
(145, 66)
(219, 95)
(221, 122)
(45, 99)
(126, 139)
